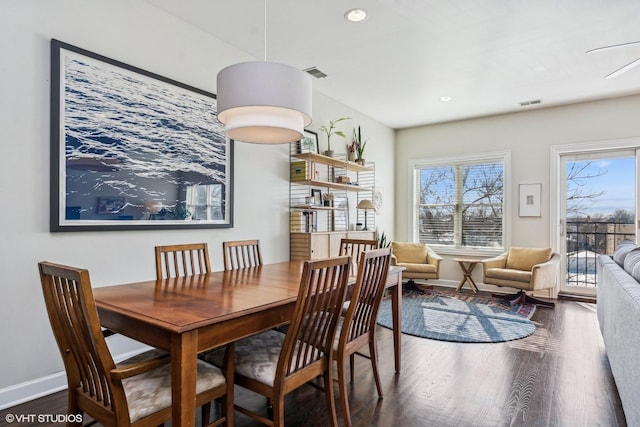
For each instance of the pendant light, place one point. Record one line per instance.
(264, 102)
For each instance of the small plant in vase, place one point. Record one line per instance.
(327, 199)
(351, 151)
(358, 145)
(330, 131)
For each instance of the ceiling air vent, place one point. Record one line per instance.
(315, 72)
(532, 102)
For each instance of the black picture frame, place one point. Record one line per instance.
(308, 143)
(316, 197)
(133, 150)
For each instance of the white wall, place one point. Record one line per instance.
(138, 34)
(529, 136)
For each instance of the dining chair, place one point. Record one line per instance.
(354, 247)
(182, 260)
(274, 363)
(241, 253)
(357, 328)
(136, 392)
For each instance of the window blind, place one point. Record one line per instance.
(460, 204)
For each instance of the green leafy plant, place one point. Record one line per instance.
(358, 144)
(331, 130)
(382, 240)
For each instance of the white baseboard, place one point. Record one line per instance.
(43, 386)
(33, 389)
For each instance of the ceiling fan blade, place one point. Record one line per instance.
(623, 69)
(615, 46)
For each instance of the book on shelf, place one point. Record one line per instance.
(297, 222)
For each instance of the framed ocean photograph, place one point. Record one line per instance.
(133, 150)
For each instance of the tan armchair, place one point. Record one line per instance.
(526, 269)
(419, 261)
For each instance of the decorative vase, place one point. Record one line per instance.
(328, 153)
(360, 162)
(352, 157)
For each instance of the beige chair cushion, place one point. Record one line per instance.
(418, 268)
(413, 253)
(150, 391)
(257, 357)
(508, 275)
(525, 258)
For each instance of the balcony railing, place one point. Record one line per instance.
(588, 239)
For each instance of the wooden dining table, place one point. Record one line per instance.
(188, 315)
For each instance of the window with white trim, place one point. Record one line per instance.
(460, 203)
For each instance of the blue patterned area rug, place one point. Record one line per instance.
(448, 316)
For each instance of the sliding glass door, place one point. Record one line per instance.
(598, 209)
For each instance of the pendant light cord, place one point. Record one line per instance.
(265, 30)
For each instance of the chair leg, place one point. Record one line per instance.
(412, 287)
(278, 411)
(521, 298)
(537, 301)
(352, 367)
(344, 399)
(374, 364)
(330, 396)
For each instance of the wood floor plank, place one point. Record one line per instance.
(559, 376)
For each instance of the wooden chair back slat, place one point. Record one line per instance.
(182, 260)
(367, 294)
(354, 247)
(358, 327)
(313, 325)
(241, 254)
(76, 327)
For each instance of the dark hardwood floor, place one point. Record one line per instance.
(559, 376)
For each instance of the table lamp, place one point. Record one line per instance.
(365, 204)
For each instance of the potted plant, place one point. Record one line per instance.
(330, 131)
(382, 240)
(358, 145)
(351, 151)
(327, 199)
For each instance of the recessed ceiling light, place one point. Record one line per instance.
(445, 98)
(355, 15)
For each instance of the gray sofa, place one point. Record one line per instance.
(619, 318)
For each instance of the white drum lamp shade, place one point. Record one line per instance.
(264, 102)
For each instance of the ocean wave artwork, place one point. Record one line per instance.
(151, 144)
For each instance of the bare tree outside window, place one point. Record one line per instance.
(593, 226)
(461, 205)
(580, 196)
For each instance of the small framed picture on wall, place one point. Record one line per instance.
(530, 199)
